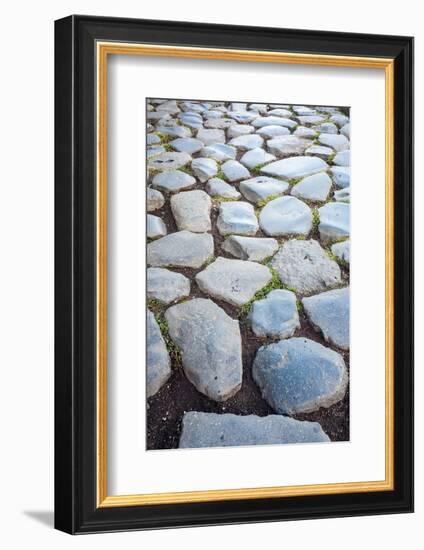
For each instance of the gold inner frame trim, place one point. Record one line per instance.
(103, 50)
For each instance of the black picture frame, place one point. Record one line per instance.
(76, 510)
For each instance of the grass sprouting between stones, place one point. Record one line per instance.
(274, 284)
(174, 351)
(261, 203)
(315, 218)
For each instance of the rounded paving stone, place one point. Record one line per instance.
(191, 211)
(187, 145)
(236, 130)
(216, 187)
(342, 250)
(342, 195)
(341, 175)
(154, 199)
(334, 221)
(155, 227)
(174, 131)
(158, 364)
(250, 248)
(288, 145)
(299, 375)
(204, 168)
(305, 267)
(166, 286)
(256, 157)
(200, 429)
(234, 171)
(304, 132)
(234, 281)
(310, 119)
(313, 188)
(238, 218)
(275, 316)
(249, 141)
(209, 136)
(319, 151)
(345, 130)
(260, 122)
(295, 167)
(181, 249)
(329, 313)
(262, 187)
(173, 181)
(211, 347)
(337, 142)
(342, 158)
(286, 216)
(339, 119)
(169, 161)
(273, 131)
(219, 152)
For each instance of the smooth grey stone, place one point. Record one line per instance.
(288, 145)
(174, 131)
(342, 250)
(250, 248)
(154, 199)
(237, 106)
(273, 131)
(334, 221)
(341, 175)
(262, 187)
(181, 249)
(166, 286)
(249, 141)
(155, 116)
(158, 364)
(152, 139)
(295, 167)
(169, 106)
(212, 114)
(208, 430)
(306, 267)
(236, 130)
(216, 187)
(286, 216)
(302, 131)
(255, 157)
(337, 142)
(219, 152)
(173, 181)
(192, 106)
(329, 313)
(204, 168)
(274, 121)
(234, 171)
(319, 151)
(155, 227)
(234, 281)
(339, 119)
(237, 217)
(299, 375)
(211, 347)
(261, 108)
(209, 136)
(154, 150)
(191, 211)
(187, 145)
(301, 110)
(310, 119)
(342, 195)
(192, 119)
(345, 130)
(285, 113)
(275, 316)
(327, 128)
(220, 123)
(243, 117)
(313, 188)
(342, 158)
(169, 161)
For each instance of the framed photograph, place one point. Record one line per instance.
(234, 274)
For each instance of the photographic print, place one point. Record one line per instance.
(248, 273)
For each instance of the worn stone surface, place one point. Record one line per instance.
(260, 122)
(236, 130)
(313, 188)
(173, 181)
(345, 130)
(246, 142)
(334, 221)
(342, 195)
(234, 171)
(174, 131)
(158, 364)
(238, 218)
(337, 141)
(299, 375)
(273, 131)
(288, 145)
(262, 187)
(310, 119)
(286, 216)
(204, 168)
(155, 227)
(210, 136)
(329, 313)
(181, 249)
(319, 151)
(169, 161)
(304, 132)
(295, 167)
(154, 151)
(250, 248)
(256, 157)
(275, 316)
(191, 210)
(187, 145)
(155, 200)
(306, 267)
(210, 343)
(342, 158)
(219, 152)
(234, 281)
(166, 286)
(217, 187)
(342, 250)
(341, 176)
(202, 429)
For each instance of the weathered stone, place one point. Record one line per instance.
(329, 313)
(250, 248)
(234, 171)
(273, 131)
(341, 175)
(288, 145)
(219, 152)
(319, 151)
(192, 119)
(262, 187)
(187, 145)
(274, 121)
(155, 227)
(155, 116)
(261, 108)
(169, 106)
(238, 106)
(299, 375)
(212, 114)
(210, 136)
(313, 188)
(217, 187)
(154, 151)
(181, 249)
(158, 364)
(342, 250)
(249, 141)
(286, 216)
(285, 113)
(236, 130)
(191, 210)
(275, 316)
(295, 167)
(238, 218)
(234, 281)
(220, 123)
(256, 157)
(169, 161)
(204, 168)
(342, 195)
(202, 429)
(211, 347)
(327, 128)
(154, 199)
(304, 132)
(339, 119)
(306, 267)
(174, 131)
(342, 158)
(337, 142)
(192, 106)
(345, 130)
(173, 181)
(243, 116)
(334, 221)
(301, 110)
(166, 286)
(152, 139)
(310, 119)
